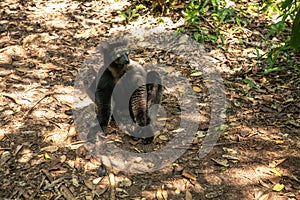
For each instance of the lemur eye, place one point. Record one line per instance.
(118, 55)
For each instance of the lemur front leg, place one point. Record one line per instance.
(103, 105)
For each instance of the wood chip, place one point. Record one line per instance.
(161, 194)
(188, 195)
(222, 162)
(189, 175)
(66, 193)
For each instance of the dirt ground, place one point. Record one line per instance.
(42, 47)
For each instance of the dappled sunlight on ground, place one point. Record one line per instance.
(43, 45)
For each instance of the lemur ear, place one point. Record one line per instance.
(104, 46)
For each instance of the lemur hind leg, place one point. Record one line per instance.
(146, 118)
(154, 94)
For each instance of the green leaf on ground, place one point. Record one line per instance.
(251, 83)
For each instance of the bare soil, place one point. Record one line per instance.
(42, 47)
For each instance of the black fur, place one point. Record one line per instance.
(123, 75)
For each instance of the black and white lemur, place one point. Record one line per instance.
(124, 84)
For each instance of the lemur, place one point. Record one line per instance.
(126, 77)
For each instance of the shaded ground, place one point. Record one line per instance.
(42, 46)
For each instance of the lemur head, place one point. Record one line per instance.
(115, 54)
(121, 58)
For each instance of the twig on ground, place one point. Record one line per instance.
(41, 99)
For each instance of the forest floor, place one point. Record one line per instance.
(42, 47)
